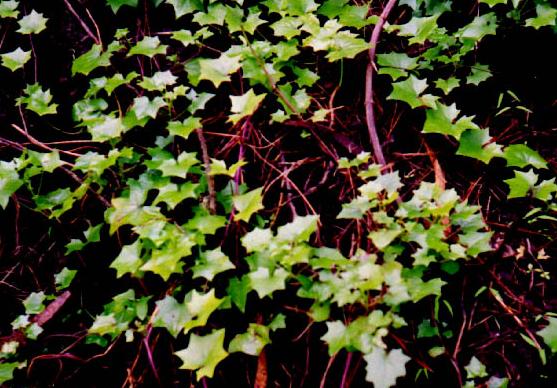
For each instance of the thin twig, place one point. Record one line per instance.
(370, 116)
(207, 163)
(82, 22)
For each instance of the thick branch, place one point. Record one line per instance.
(370, 116)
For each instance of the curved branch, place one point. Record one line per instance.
(370, 116)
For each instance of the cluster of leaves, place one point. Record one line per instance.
(172, 206)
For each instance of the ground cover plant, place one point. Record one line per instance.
(278, 193)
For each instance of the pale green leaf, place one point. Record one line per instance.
(15, 59)
(34, 303)
(129, 260)
(218, 70)
(185, 7)
(148, 46)
(475, 368)
(480, 27)
(492, 3)
(159, 81)
(266, 283)
(143, 107)
(8, 9)
(247, 204)
(299, 230)
(203, 353)
(171, 315)
(38, 100)
(184, 128)
(383, 368)
(251, 342)
(210, 264)
(336, 337)
(244, 105)
(546, 15)
(32, 24)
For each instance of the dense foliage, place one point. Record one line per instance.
(202, 185)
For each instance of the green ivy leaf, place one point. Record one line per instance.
(171, 315)
(447, 85)
(520, 155)
(210, 264)
(244, 105)
(476, 143)
(266, 283)
(410, 91)
(287, 27)
(64, 278)
(336, 337)
(396, 64)
(32, 24)
(251, 342)
(383, 368)
(116, 4)
(299, 230)
(549, 334)
(9, 182)
(184, 128)
(7, 371)
(180, 166)
(106, 128)
(92, 59)
(475, 369)
(203, 353)
(129, 260)
(545, 16)
(480, 27)
(442, 119)
(148, 46)
(238, 290)
(37, 100)
(492, 3)
(143, 107)
(34, 303)
(419, 29)
(218, 167)
(15, 59)
(159, 81)
(521, 184)
(218, 70)
(478, 74)
(8, 9)
(173, 194)
(185, 7)
(247, 204)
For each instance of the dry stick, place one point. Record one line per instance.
(41, 144)
(96, 26)
(370, 116)
(82, 22)
(207, 163)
